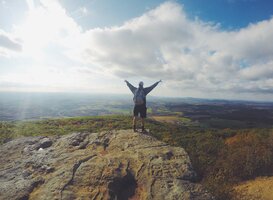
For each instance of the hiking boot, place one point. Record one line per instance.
(142, 129)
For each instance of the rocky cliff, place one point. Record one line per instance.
(107, 165)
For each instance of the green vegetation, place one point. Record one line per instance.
(9, 130)
(221, 157)
(61, 126)
(149, 110)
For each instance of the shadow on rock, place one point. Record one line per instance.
(123, 188)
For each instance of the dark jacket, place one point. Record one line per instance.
(147, 90)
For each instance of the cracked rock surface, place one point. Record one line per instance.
(108, 165)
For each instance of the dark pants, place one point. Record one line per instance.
(140, 109)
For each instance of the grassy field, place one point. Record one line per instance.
(173, 119)
(61, 126)
(10, 130)
(259, 188)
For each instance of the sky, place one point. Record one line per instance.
(199, 48)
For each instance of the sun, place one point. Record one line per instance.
(46, 34)
(44, 25)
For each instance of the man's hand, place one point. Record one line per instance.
(160, 81)
(125, 81)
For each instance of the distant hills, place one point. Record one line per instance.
(207, 112)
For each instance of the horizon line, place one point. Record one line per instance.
(125, 94)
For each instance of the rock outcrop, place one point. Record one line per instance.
(107, 165)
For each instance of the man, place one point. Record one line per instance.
(140, 101)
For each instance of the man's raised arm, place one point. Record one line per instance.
(149, 89)
(131, 87)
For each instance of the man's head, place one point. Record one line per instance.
(141, 84)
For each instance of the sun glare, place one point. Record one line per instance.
(44, 34)
(44, 25)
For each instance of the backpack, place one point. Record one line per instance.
(139, 97)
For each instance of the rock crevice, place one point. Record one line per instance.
(74, 170)
(99, 166)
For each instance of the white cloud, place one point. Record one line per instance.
(46, 25)
(164, 43)
(30, 4)
(194, 58)
(8, 44)
(258, 72)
